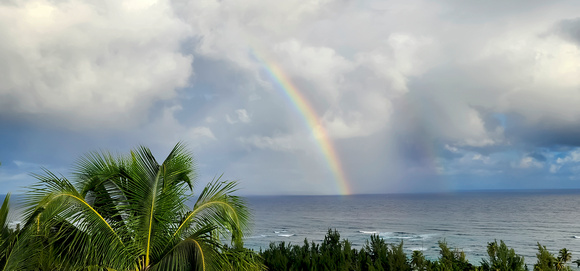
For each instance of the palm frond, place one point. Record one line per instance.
(216, 203)
(4, 212)
(179, 167)
(156, 194)
(199, 251)
(60, 212)
(130, 213)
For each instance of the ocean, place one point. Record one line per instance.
(466, 221)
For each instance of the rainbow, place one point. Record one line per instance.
(312, 120)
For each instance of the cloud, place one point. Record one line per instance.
(529, 162)
(106, 62)
(197, 133)
(569, 29)
(27, 165)
(13, 182)
(350, 85)
(241, 115)
(317, 68)
(484, 87)
(414, 95)
(554, 168)
(571, 157)
(276, 143)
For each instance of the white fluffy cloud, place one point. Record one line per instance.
(550, 94)
(572, 157)
(529, 162)
(350, 84)
(89, 64)
(354, 63)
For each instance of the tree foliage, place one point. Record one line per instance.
(375, 255)
(129, 212)
(548, 262)
(8, 236)
(502, 258)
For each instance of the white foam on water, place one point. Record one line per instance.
(369, 232)
(417, 248)
(398, 237)
(426, 236)
(285, 235)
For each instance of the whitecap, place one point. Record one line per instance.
(425, 236)
(285, 235)
(398, 237)
(417, 248)
(576, 236)
(369, 232)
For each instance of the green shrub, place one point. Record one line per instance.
(501, 258)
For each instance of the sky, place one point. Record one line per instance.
(318, 97)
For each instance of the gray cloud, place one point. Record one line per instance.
(569, 29)
(107, 62)
(414, 95)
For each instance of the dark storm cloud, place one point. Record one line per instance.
(569, 29)
(538, 156)
(546, 136)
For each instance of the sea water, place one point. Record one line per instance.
(466, 221)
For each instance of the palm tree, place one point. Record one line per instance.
(418, 260)
(563, 257)
(6, 234)
(131, 213)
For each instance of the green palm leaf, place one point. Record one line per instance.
(130, 213)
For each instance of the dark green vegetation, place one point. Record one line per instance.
(128, 212)
(376, 254)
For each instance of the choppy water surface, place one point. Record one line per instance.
(467, 221)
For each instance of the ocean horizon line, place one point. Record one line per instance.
(454, 192)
